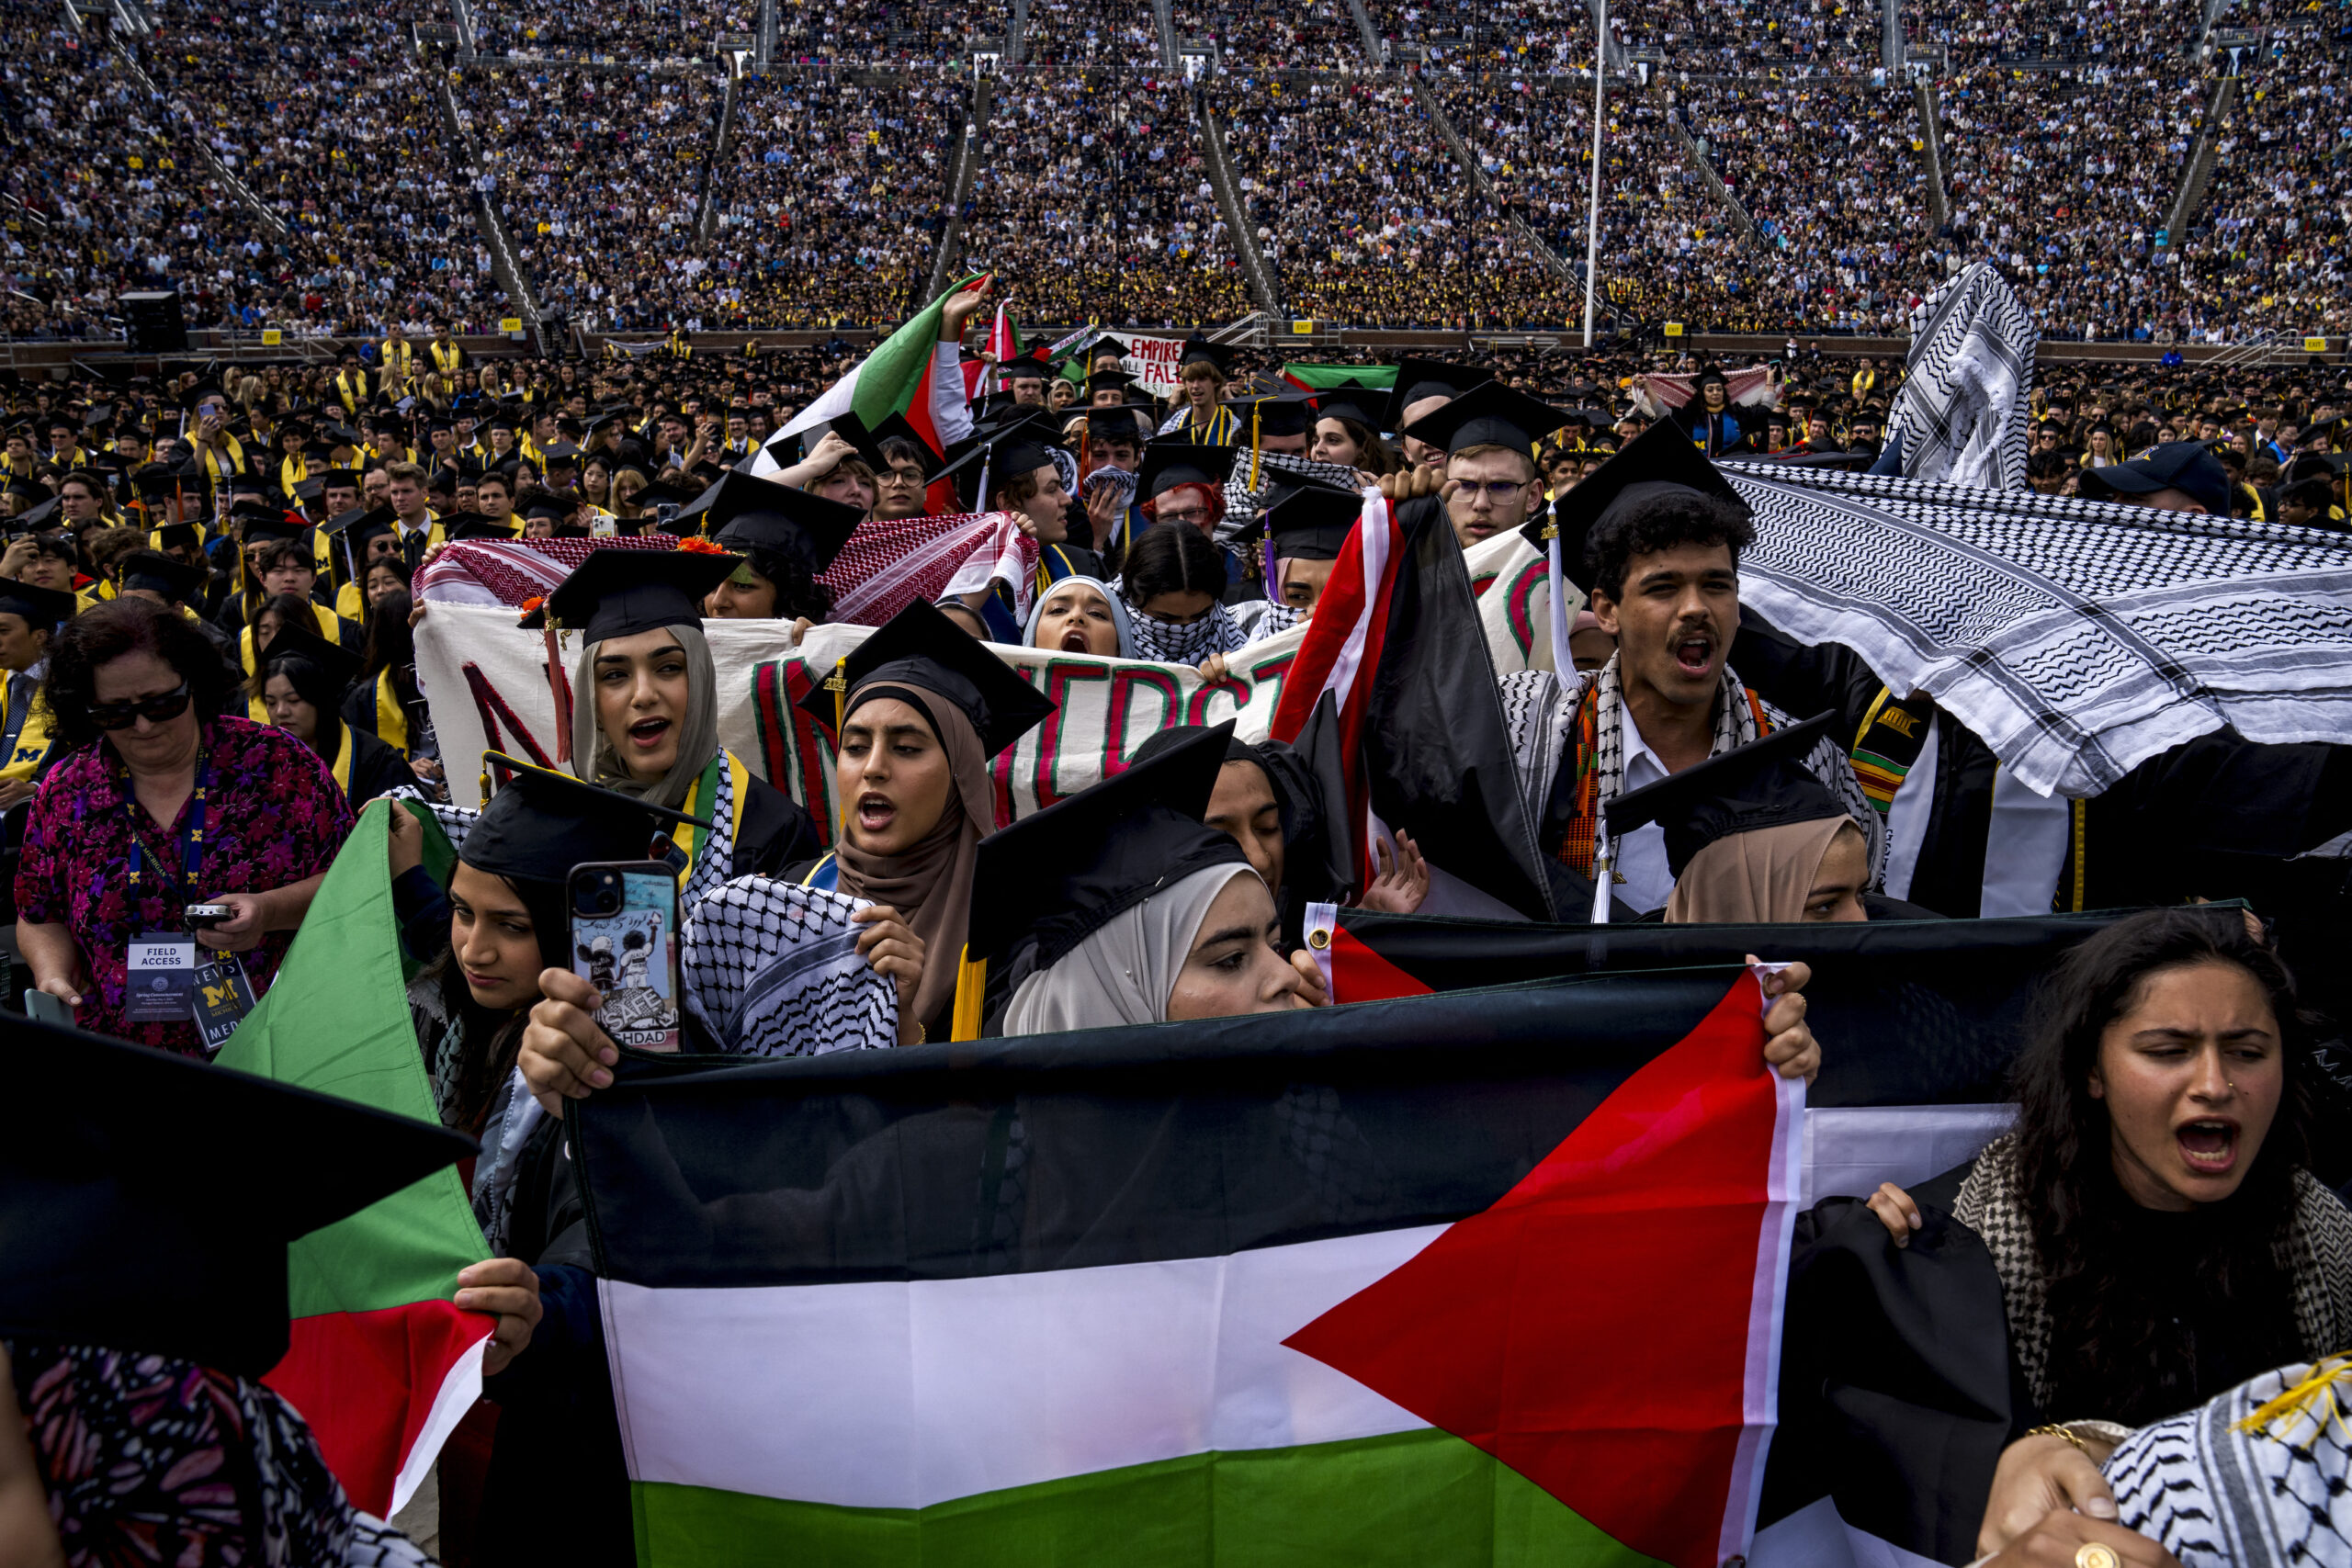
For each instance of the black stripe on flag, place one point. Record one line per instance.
(1108, 1147)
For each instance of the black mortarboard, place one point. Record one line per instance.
(563, 454)
(852, 429)
(1420, 379)
(1030, 366)
(616, 593)
(40, 516)
(1275, 413)
(1117, 422)
(539, 823)
(1310, 521)
(1057, 876)
(2184, 466)
(270, 529)
(1659, 461)
(474, 525)
(894, 426)
(105, 1241)
(333, 670)
(309, 489)
(1106, 343)
(1764, 784)
(1350, 400)
(1108, 381)
(178, 581)
(1198, 350)
(747, 513)
(1172, 461)
(1488, 414)
(548, 506)
(922, 649)
(43, 608)
(667, 492)
(177, 537)
(1018, 446)
(194, 396)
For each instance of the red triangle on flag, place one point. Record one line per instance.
(1609, 1328)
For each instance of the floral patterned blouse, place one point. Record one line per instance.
(273, 818)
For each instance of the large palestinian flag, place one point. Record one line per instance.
(381, 1364)
(1429, 1281)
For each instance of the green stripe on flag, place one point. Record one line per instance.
(1424, 1497)
(888, 379)
(1320, 377)
(336, 1020)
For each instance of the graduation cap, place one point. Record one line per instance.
(474, 525)
(852, 429)
(1030, 366)
(920, 647)
(332, 671)
(747, 513)
(552, 508)
(1419, 379)
(1659, 462)
(2184, 466)
(1490, 414)
(563, 454)
(1106, 343)
(1017, 446)
(43, 608)
(1109, 381)
(1308, 521)
(196, 397)
(667, 492)
(894, 426)
(179, 536)
(1274, 413)
(1116, 421)
(540, 823)
(1057, 876)
(309, 490)
(153, 571)
(1172, 461)
(1348, 400)
(103, 1240)
(1199, 350)
(615, 594)
(271, 530)
(1764, 784)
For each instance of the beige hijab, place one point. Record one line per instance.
(591, 755)
(1754, 878)
(931, 884)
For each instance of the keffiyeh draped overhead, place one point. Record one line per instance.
(772, 969)
(1961, 416)
(2078, 638)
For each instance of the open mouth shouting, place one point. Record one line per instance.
(1074, 640)
(876, 811)
(1694, 653)
(2209, 1144)
(646, 734)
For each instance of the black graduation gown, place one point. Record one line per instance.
(775, 831)
(359, 712)
(375, 767)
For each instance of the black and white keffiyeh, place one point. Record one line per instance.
(1244, 501)
(1539, 714)
(1961, 414)
(2231, 1485)
(1191, 643)
(2078, 639)
(772, 969)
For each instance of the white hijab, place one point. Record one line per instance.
(1122, 972)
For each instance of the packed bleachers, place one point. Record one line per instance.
(893, 32)
(830, 206)
(1273, 35)
(638, 30)
(1087, 194)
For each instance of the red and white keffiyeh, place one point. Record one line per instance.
(508, 571)
(1751, 388)
(888, 565)
(885, 566)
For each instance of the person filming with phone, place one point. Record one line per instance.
(173, 848)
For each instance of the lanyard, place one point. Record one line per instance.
(191, 846)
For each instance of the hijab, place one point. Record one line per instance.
(1124, 972)
(1118, 612)
(1753, 878)
(591, 757)
(931, 884)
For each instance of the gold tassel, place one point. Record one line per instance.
(555, 689)
(2318, 1387)
(971, 986)
(838, 683)
(1253, 443)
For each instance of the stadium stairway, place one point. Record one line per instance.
(2197, 173)
(217, 174)
(504, 265)
(962, 169)
(1713, 181)
(1434, 103)
(1260, 277)
(722, 142)
(1376, 52)
(1932, 141)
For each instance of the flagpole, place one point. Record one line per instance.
(1592, 217)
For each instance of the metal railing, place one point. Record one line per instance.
(1262, 287)
(1931, 137)
(959, 188)
(2197, 172)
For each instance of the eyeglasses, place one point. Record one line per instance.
(1195, 516)
(1502, 493)
(157, 709)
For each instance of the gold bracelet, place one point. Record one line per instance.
(2054, 1430)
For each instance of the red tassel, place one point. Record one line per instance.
(561, 689)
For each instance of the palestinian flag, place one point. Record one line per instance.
(381, 1364)
(1424, 1283)
(903, 376)
(1323, 377)
(1958, 989)
(1004, 343)
(1397, 644)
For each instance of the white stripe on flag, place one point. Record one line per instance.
(460, 1387)
(1849, 1152)
(1374, 541)
(1766, 1315)
(899, 1395)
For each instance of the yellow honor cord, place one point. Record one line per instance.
(838, 683)
(971, 986)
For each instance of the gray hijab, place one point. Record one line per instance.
(1124, 972)
(593, 760)
(1118, 612)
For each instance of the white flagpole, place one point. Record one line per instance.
(1592, 218)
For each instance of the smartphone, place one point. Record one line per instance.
(43, 1008)
(624, 942)
(204, 917)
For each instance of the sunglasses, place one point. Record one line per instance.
(156, 709)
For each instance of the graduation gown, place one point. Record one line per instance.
(376, 709)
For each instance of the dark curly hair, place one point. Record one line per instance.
(1664, 524)
(2118, 1351)
(121, 626)
(797, 593)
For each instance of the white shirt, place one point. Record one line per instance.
(1643, 878)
